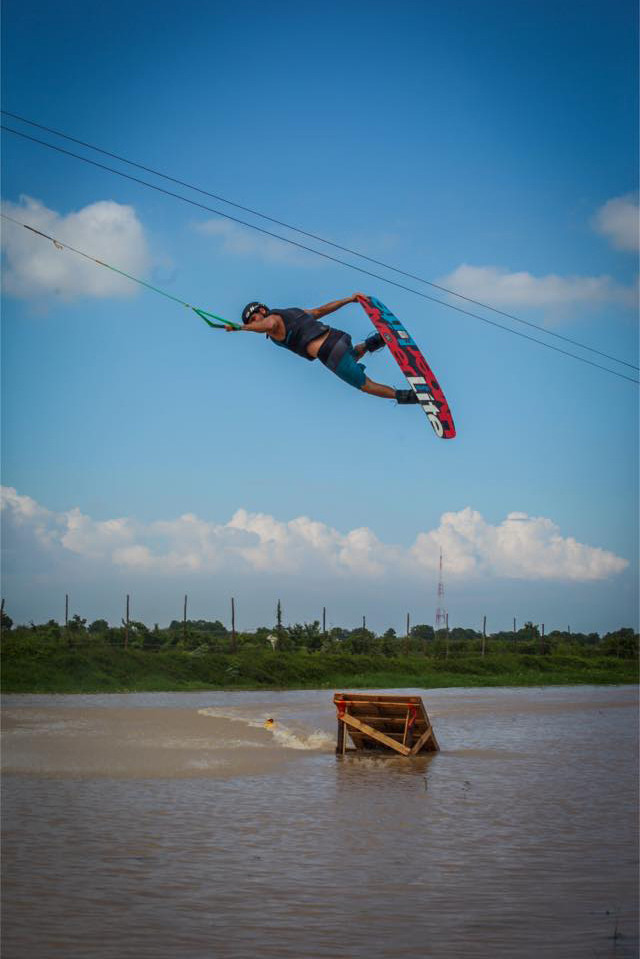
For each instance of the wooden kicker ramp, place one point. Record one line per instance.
(399, 723)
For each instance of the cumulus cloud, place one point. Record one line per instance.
(617, 220)
(520, 547)
(241, 241)
(109, 231)
(506, 290)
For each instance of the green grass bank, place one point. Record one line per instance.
(38, 668)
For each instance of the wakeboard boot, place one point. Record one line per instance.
(374, 342)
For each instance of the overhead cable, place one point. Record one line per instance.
(309, 249)
(320, 239)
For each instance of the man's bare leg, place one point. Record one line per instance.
(378, 389)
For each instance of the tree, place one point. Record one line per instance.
(363, 641)
(5, 621)
(422, 631)
(623, 642)
(99, 626)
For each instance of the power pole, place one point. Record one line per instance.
(234, 640)
(484, 634)
(542, 641)
(279, 622)
(324, 620)
(126, 625)
(66, 609)
(514, 632)
(184, 621)
(447, 629)
(364, 622)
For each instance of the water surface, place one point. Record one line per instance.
(175, 824)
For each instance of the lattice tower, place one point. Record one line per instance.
(441, 613)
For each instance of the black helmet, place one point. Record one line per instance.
(250, 309)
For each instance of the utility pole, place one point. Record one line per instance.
(514, 632)
(484, 634)
(234, 640)
(364, 622)
(324, 620)
(126, 625)
(66, 609)
(542, 640)
(184, 621)
(447, 634)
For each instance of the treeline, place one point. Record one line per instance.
(200, 637)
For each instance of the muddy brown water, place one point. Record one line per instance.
(177, 825)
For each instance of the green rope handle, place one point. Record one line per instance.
(216, 326)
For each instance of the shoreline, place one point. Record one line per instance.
(362, 683)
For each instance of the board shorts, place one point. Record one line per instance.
(338, 355)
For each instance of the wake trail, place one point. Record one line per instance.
(282, 735)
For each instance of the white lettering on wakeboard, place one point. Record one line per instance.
(427, 403)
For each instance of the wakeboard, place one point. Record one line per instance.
(413, 364)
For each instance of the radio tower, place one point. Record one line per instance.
(441, 613)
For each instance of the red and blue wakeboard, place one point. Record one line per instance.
(413, 365)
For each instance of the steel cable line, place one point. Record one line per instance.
(326, 256)
(314, 236)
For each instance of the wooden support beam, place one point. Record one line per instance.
(417, 746)
(374, 734)
(371, 698)
(342, 739)
(406, 729)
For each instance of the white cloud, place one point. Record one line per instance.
(505, 290)
(35, 268)
(26, 512)
(92, 538)
(520, 547)
(617, 220)
(242, 241)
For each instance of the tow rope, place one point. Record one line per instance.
(203, 314)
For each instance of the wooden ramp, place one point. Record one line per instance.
(399, 723)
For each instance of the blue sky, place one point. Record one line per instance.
(488, 147)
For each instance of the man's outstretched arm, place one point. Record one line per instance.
(258, 324)
(320, 311)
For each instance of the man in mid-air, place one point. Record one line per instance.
(302, 332)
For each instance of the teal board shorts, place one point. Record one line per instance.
(338, 355)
